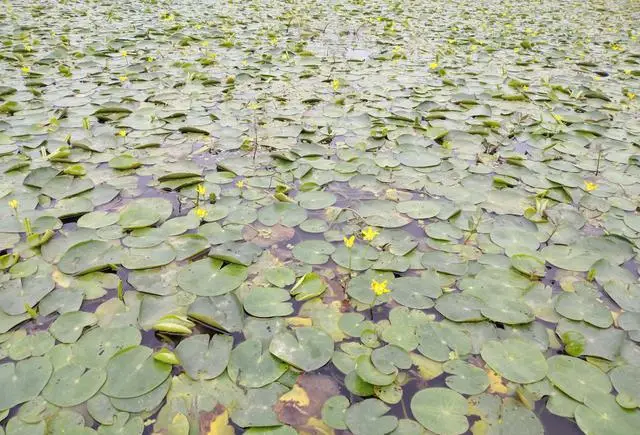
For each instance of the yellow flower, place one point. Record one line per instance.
(149, 58)
(433, 65)
(349, 241)
(122, 133)
(589, 186)
(201, 213)
(335, 84)
(379, 288)
(240, 184)
(123, 78)
(627, 71)
(13, 204)
(369, 233)
(25, 69)
(631, 95)
(201, 190)
(123, 53)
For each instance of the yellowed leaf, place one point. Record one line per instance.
(315, 426)
(61, 279)
(480, 427)
(428, 369)
(296, 395)
(179, 425)
(299, 321)
(220, 425)
(496, 385)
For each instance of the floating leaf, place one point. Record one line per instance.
(440, 410)
(204, 358)
(576, 377)
(307, 348)
(23, 381)
(71, 385)
(515, 359)
(368, 417)
(208, 277)
(134, 372)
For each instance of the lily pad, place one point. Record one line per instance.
(133, 372)
(252, 366)
(205, 358)
(268, 302)
(577, 378)
(516, 359)
(307, 348)
(23, 381)
(368, 417)
(440, 410)
(209, 277)
(72, 385)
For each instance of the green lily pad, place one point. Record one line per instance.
(388, 359)
(133, 372)
(221, 312)
(419, 209)
(268, 302)
(370, 374)
(626, 380)
(313, 251)
(334, 412)
(515, 359)
(316, 200)
(280, 276)
(255, 409)
(460, 307)
(204, 358)
(145, 212)
(72, 385)
(368, 417)
(601, 414)
(307, 348)
(577, 378)
(602, 343)
(415, 292)
(208, 277)
(124, 161)
(97, 219)
(360, 257)
(148, 258)
(309, 286)
(88, 256)
(440, 410)
(252, 365)
(289, 215)
(145, 403)
(23, 381)
(582, 307)
(69, 326)
(438, 340)
(466, 378)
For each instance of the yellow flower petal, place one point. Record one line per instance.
(369, 233)
(379, 288)
(201, 213)
(589, 186)
(349, 241)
